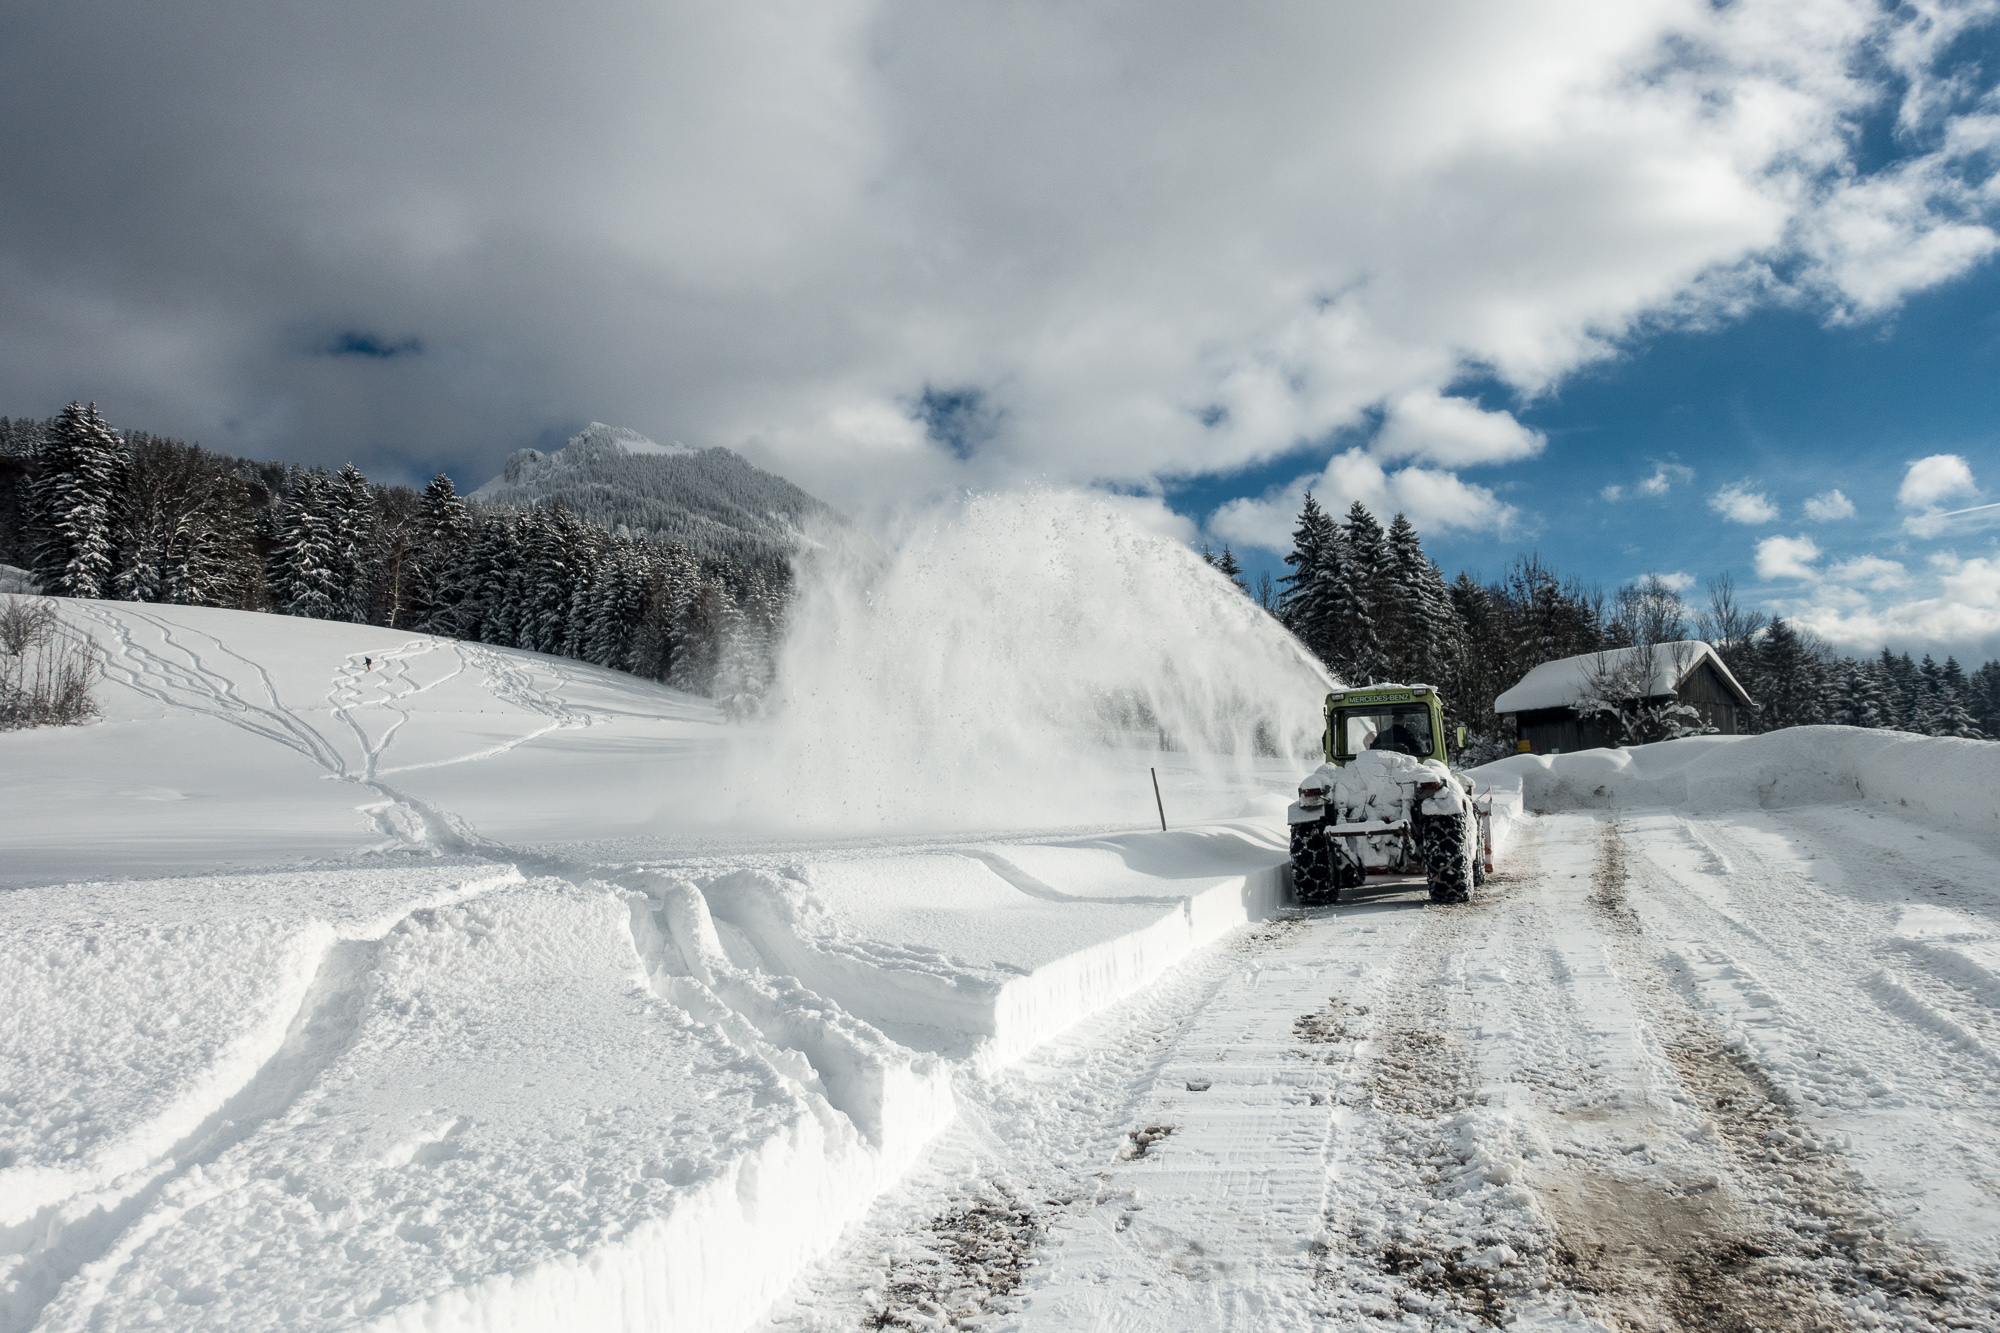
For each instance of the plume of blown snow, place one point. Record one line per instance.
(1022, 659)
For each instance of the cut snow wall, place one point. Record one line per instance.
(1939, 781)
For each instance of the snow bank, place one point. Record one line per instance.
(990, 952)
(1942, 782)
(511, 1129)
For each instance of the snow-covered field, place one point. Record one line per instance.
(489, 990)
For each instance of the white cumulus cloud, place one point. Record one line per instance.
(1665, 477)
(1787, 558)
(1871, 571)
(1434, 500)
(1453, 432)
(1933, 479)
(1828, 506)
(1739, 503)
(1960, 614)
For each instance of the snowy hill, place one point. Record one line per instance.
(711, 500)
(354, 977)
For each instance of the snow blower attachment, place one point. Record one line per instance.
(1386, 802)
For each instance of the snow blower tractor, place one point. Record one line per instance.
(1386, 802)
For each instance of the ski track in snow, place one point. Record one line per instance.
(1666, 1072)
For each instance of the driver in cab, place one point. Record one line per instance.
(1401, 738)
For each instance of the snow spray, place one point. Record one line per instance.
(1021, 659)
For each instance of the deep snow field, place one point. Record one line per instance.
(490, 990)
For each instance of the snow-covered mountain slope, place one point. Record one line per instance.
(711, 500)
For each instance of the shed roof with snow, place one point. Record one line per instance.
(1652, 672)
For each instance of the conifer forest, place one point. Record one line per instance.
(97, 512)
(1372, 606)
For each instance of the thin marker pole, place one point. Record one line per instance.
(1156, 798)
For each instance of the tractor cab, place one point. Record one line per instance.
(1406, 719)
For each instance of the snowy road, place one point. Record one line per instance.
(1670, 1073)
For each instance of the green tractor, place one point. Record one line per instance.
(1386, 801)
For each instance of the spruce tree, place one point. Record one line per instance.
(1367, 598)
(74, 504)
(355, 535)
(306, 566)
(441, 547)
(1298, 607)
(1791, 680)
(1231, 570)
(1952, 718)
(1861, 702)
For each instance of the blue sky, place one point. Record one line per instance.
(1780, 403)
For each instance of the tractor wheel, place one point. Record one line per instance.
(1313, 865)
(1451, 856)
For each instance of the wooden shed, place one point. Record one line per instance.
(1544, 705)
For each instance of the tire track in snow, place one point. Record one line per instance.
(1794, 1240)
(1425, 1222)
(84, 1239)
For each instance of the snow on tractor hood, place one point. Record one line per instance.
(1374, 785)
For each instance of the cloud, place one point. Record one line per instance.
(1112, 251)
(1665, 477)
(1739, 504)
(1871, 571)
(1962, 614)
(1787, 558)
(1679, 580)
(1829, 506)
(1935, 478)
(1434, 500)
(1453, 432)
(1612, 494)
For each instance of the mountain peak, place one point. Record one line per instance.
(712, 500)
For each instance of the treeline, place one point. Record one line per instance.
(1373, 607)
(95, 512)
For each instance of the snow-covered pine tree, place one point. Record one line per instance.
(1422, 638)
(738, 686)
(1231, 568)
(698, 636)
(306, 566)
(1983, 698)
(671, 582)
(1859, 701)
(1790, 686)
(592, 550)
(355, 535)
(1950, 717)
(1367, 598)
(482, 584)
(74, 504)
(1298, 604)
(440, 550)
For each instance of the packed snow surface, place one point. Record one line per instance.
(359, 978)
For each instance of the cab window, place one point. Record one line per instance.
(1405, 730)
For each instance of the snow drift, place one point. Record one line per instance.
(1939, 781)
